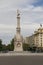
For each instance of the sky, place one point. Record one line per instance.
(31, 17)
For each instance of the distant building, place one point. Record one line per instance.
(30, 40)
(36, 38)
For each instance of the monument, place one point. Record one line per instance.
(18, 40)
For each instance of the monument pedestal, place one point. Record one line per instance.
(18, 47)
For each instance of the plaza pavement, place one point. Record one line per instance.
(21, 58)
(21, 54)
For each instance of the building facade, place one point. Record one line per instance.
(36, 38)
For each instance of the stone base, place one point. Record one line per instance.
(18, 47)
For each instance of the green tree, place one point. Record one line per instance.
(0, 45)
(10, 47)
(4, 47)
(33, 48)
(25, 47)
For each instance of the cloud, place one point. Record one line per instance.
(7, 28)
(33, 14)
(38, 9)
(15, 3)
(31, 17)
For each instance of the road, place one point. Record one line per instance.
(21, 60)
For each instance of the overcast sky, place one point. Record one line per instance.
(31, 17)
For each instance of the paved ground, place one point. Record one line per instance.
(21, 60)
(21, 54)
